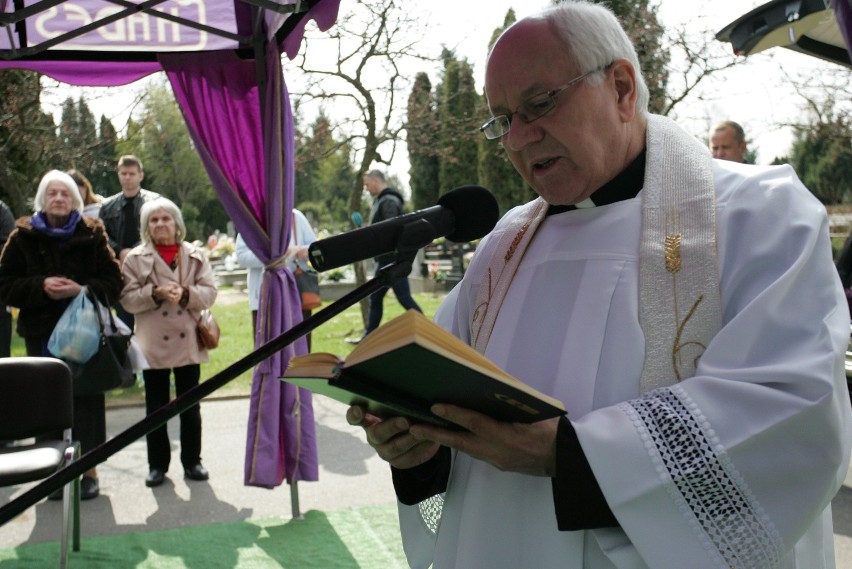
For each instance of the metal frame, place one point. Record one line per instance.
(799, 25)
(12, 24)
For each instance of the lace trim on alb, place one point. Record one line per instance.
(702, 480)
(431, 510)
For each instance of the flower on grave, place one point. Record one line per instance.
(436, 273)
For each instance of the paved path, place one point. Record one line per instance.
(350, 474)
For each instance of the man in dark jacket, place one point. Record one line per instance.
(120, 214)
(387, 204)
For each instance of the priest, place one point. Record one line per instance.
(687, 312)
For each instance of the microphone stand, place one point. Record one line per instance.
(412, 237)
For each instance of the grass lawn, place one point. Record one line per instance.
(232, 314)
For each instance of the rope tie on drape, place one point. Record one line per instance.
(262, 329)
(276, 264)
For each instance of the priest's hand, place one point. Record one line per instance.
(512, 447)
(392, 439)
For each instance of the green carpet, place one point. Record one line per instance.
(358, 538)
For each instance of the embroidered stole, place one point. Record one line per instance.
(679, 299)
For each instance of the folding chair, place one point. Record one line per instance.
(36, 411)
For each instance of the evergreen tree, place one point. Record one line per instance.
(88, 147)
(102, 170)
(28, 142)
(822, 157)
(422, 128)
(172, 165)
(69, 125)
(87, 132)
(459, 110)
(324, 175)
(495, 171)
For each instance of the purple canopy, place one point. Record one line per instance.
(843, 13)
(222, 58)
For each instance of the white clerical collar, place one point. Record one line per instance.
(585, 204)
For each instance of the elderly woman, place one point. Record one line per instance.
(48, 259)
(167, 281)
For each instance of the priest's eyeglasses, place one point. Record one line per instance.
(530, 110)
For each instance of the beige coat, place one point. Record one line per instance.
(166, 332)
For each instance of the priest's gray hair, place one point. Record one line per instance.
(65, 180)
(594, 38)
(166, 205)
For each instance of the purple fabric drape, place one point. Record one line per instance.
(89, 73)
(252, 171)
(843, 13)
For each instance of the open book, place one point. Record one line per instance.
(411, 363)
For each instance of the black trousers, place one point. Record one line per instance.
(157, 395)
(89, 410)
(5, 331)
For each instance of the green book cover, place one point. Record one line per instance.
(412, 364)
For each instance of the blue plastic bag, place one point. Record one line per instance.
(77, 334)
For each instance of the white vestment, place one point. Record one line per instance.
(733, 467)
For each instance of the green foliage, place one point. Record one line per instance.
(494, 169)
(232, 313)
(172, 165)
(102, 170)
(422, 127)
(88, 147)
(497, 174)
(324, 174)
(459, 112)
(28, 144)
(822, 156)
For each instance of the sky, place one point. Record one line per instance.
(757, 95)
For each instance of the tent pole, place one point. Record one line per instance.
(259, 45)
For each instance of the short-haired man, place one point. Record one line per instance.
(727, 141)
(387, 204)
(685, 310)
(120, 214)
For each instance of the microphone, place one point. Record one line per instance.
(462, 214)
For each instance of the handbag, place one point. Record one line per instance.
(206, 331)
(110, 368)
(307, 281)
(206, 327)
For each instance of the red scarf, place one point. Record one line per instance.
(168, 252)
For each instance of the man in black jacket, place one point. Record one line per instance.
(120, 214)
(387, 204)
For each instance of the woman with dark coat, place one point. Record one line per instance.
(167, 282)
(48, 259)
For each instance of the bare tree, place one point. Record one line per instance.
(361, 67)
(695, 57)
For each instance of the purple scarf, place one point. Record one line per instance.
(64, 233)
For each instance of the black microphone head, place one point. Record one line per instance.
(475, 209)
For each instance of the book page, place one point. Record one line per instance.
(412, 327)
(318, 364)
